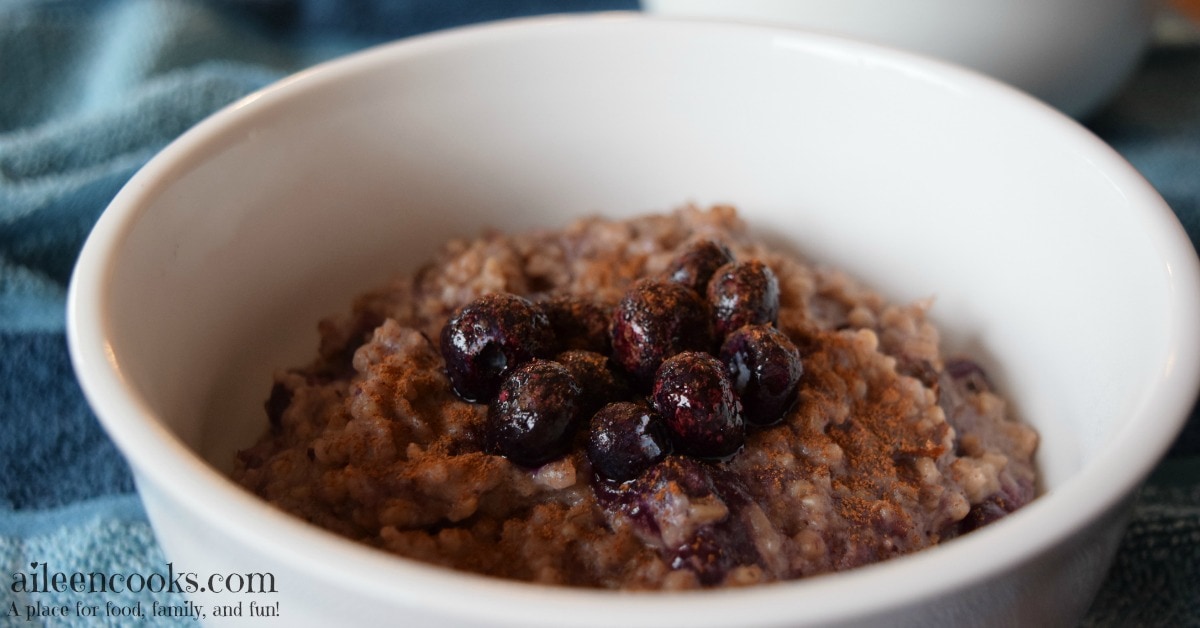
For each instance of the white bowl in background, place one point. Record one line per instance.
(1047, 253)
(1074, 54)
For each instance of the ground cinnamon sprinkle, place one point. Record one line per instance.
(370, 441)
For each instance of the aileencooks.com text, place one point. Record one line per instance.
(41, 578)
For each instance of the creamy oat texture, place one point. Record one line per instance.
(891, 446)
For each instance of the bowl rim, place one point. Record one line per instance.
(158, 456)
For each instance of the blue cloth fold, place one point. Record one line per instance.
(57, 177)
(90, 90)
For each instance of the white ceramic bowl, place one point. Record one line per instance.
(1048, 254)
(1074, 54)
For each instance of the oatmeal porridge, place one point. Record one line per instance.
(660, 402)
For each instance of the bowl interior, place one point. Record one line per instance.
(1048, 256)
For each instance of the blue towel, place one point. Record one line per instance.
(90, 90)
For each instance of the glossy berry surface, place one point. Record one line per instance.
(578, 322)
(764, 367)
(697, 263)
(655, 320)
(624, 439)
(697, 402)
(535, 414)
(489, 338)
(743, 293)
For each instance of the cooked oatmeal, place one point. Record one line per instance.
(887, 448)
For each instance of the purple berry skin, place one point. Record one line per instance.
(489, 338)
(663, 493)
(697, 263)
(764, 367)
(697, 402)
(1010, 498)
(743, 293)
(277, 403)
(655, 320)
(625, 439)
(969, 374)
(535, 414)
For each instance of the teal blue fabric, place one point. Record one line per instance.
(90, 90)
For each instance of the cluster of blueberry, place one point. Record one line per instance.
(681, 363)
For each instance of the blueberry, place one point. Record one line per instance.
(968, 374)
(535, 414)
(1009, 499)
(697, 263)
(625, 439)
(659, 502)
(743, 293)
(764, 367)
(655, 320)
(578, 322)
(697, 402)
(600, 381)
(490, 337)
(277, 403)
